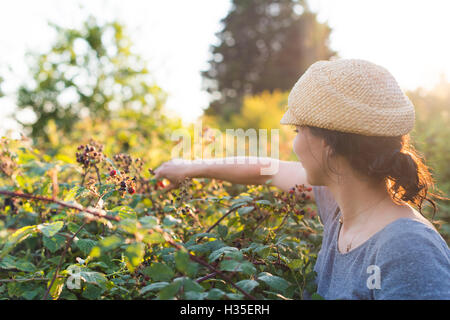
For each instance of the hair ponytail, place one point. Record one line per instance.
(390, 159)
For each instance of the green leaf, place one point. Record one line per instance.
(217, 253)
(239, 266)
(265, 202)
(86, 245)
(110, 242)
(8, 262)
(54, 243)
(92, 292)
(169, 220)
(134, 254)
(74, 193)
(182, 260)
(94, 277)
(247, 285)
(50, 229)
(245, 210)
(154, 286)
(193, 295)
(148, 221)
(124, 212)
(190, 285)
(223, 230)
(154, 238)
(129, 225)
(16, 238)
(25, 265)
(215, 294)
(168, 292)
(159, 272)
(295, 264)
(275, 282)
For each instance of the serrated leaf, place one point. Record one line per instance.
(17, 237)
(245, 210)
(169, 291)
(215, 294)
(193, 295)
(238, 266)
(24, 265)
(54, 243)
(50, 229)
(217, 253)
(247, 285)
(94, 277)
(124, 212)
(154, 286)
(86, 245)
(274, 282)
(159, 272)
(148, 221)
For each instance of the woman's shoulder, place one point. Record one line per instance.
(414, 261)
(408, 235)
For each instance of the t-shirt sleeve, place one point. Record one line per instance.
(414, 264)
(325, 202)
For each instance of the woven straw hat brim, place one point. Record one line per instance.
(350, 95)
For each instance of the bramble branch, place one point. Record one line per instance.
(94, 212)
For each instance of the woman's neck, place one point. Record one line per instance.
(358, 199)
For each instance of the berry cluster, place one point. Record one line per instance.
(90, 154)
(301, 189)
(125, 161)
(183, 195)
(124, 182)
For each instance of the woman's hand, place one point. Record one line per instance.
(175, 170)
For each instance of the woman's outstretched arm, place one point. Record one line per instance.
(240, 170)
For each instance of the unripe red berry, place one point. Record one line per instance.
(131, 190)
(112, 173)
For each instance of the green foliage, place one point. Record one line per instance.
(150, 244)
(89, 71)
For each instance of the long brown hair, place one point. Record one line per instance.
(393, 160)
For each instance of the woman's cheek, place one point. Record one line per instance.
(296, 147)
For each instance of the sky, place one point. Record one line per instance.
(408, 37)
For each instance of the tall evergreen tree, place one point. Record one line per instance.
(264, 45)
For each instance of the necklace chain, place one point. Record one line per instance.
(341, 221)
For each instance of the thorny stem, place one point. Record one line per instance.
(61, 203)
(26, 280)
(208, 276)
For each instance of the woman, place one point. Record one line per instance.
(352, 122)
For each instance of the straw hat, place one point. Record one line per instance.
(350, 95)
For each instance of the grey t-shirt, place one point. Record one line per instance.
(405, 260)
